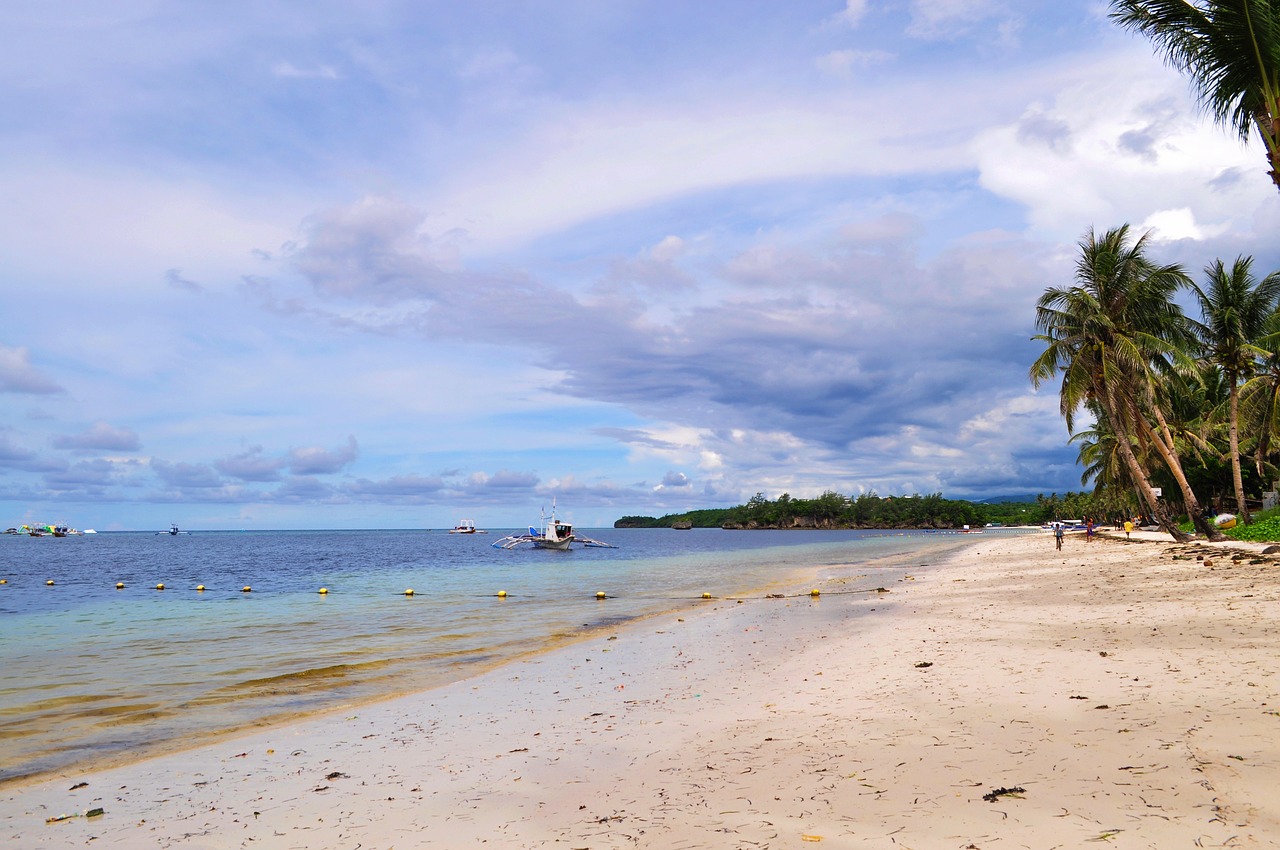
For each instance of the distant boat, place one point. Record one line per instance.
(173, 530)
(11, 531)
(553, 534)
(466, 526)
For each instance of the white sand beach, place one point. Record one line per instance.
(1012, 697)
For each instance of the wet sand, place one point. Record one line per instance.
(1009, 697)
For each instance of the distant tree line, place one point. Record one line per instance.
(833, 510)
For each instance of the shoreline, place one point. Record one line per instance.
(1132, 696)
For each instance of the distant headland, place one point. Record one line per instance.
(832, 510)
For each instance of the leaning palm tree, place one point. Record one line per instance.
(1103, 335)
(1230, 49)
(1235, 309)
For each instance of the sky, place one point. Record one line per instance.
(396, 264)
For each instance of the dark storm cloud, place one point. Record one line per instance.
(865, 339)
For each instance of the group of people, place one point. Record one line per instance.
(1059, 530)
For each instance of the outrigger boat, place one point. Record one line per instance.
(554, 534)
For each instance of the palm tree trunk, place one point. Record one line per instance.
(1170, 458)
(1139, 475)
(1233, 441)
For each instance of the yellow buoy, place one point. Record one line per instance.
(706, 595)
(815, 592)
(409, 592)
(161, 587)
(502, 594)
(4, 581)
(324, 590)
(600, 594)
(50, 581)
(199, 588)
(119, 585)
(246, 589)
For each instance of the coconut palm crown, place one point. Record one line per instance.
(1230, 50)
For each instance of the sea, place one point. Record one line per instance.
(94, 674)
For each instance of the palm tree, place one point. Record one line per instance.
(1260, 397)
(1230, 49)
(1103, 335)
(1235, 310)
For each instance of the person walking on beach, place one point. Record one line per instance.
(1057, 535)
(1088, 530)
(1128, 527)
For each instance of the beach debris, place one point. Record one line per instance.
(1077, 696)
(923, 664)
(810, 837)
(91, 813)
(78, 786)
(1016, 791)
(337, 774)
(1107, 835)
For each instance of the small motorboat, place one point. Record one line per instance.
(173, 531)
(467, 526)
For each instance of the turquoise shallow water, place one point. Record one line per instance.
(92, 674)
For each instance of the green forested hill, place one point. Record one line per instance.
(832, 510)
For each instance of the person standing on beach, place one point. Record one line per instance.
(1128, 527)
(1088, 530)
(1057, 535)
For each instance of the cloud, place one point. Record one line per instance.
(375, 250)
(186, 476)
(840, 63)
(174, 279)
(290, 71)
(674, 480)
(17, 375)
(413, 488)
(951, 20)
(100, 437)
(251, 465)
(852, 13)
(1099, 154)
(85, 479)
(318, 461)
(503, 480)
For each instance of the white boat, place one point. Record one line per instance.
(173, 530)
(467, 526)
(553, 534)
